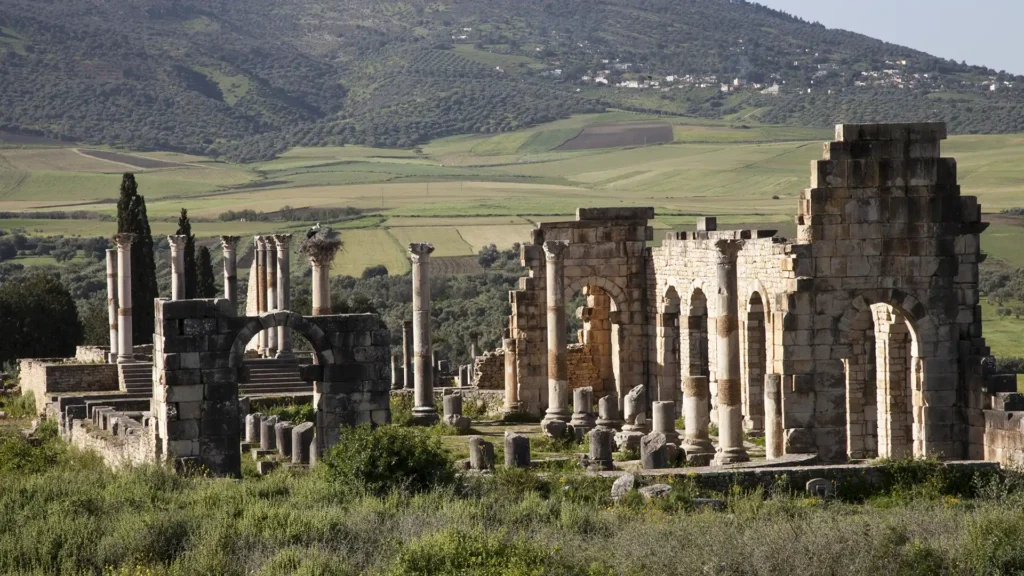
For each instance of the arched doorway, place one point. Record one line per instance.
(884, 385)
(668, 339)
(594, 349)
(756, 364)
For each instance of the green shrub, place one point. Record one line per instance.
(457, 551)
(22, 456)
(389, 458)
(401, 409)
(294, 413)
(23, 406)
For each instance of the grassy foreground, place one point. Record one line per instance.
(65, 513)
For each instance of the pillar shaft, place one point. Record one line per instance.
(730, 410)
(271, 293)
(407, 354)
(284, 292)
(125, 350)
(261, 288)
(177, 243)
(511, 384)
(321, 289)
(112, 288)
(558, 365)
(230, 244)
(696, 397)
(423, 408)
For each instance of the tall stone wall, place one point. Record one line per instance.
(583, 370)
(606, 250)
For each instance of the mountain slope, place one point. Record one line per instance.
(247, 79)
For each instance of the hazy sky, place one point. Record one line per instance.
(982, 32)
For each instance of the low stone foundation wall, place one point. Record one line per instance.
(1004, 437)
(490, 371)
(845, 476)
(117, 450)
(45, 376)
(92, 354)
(488, 402)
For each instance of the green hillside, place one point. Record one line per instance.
(248, 80)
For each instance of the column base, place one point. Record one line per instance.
(699, 452)
(285, 354)
(731, 456)
(126, 359)
(425, 416)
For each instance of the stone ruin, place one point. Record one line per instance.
(860, 338)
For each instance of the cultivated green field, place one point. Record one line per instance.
(465, 192)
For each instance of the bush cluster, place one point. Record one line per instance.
(389, 458)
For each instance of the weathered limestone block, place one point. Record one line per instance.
(583, 416)
(623, 485)
(664, 421)
(602, 446)
(635, 425)
(608, 413)
(654, 451)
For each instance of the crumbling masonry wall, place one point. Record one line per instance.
(199, 347)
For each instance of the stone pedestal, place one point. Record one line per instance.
(253, 427)
(635, 425)
(654, 451)
(583, 419)
(517, 450)
(112, 286)
(608, 414)
(664, 421)
(125, 347)
(481, 454)
(730, 409)
(268, 436)
(229, 244)
(558, 364)
(453, 413)
(177, 243)
(423, 410)
(302, 441)
(696, 406)
(283, 438)
(602, 447)
(282, 242)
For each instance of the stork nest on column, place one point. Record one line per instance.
(319, 249)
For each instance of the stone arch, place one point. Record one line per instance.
(755, 361)
(608, 285)
(668, 342)
(323, 352)
(902, 350)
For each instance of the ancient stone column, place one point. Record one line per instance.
(696, 413)
(423, 407)
(730, 409)
(320, 260)
(664, 417)
(229, 245)
(511, 384)
(272, 345)
(283, 243)
(773, 431)
(177, 243)
(407, 354)
(558, 364)
(125, 350)
(261, 288)
(112, 287)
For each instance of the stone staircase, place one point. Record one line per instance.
(267, 376)
(136, 378)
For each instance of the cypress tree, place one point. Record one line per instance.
(132, 218)
(191, 269)
(206, 286)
